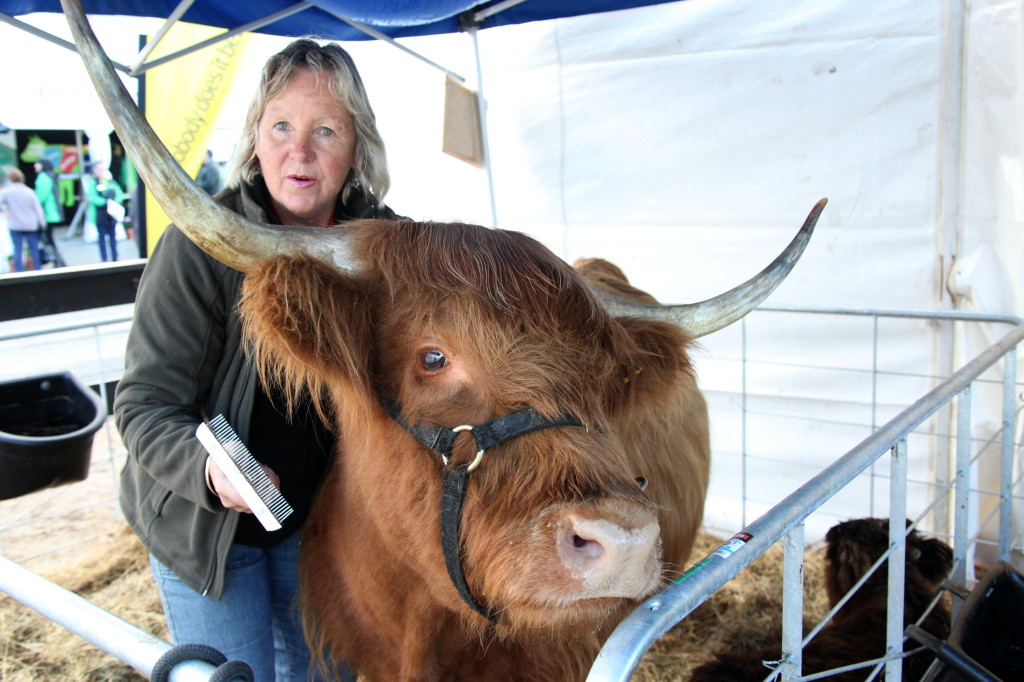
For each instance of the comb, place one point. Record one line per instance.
(244, 472)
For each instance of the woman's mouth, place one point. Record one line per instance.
(301, 180)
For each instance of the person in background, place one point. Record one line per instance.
(25, 218)
(209, 175)
(49, 197)
(100, 189)
(310, 155)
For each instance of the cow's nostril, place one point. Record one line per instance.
(589, 550)
(584, 550)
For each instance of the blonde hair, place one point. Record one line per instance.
(345, 85)
(15, 175)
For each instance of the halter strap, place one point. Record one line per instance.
(455, 481)
(441, 439)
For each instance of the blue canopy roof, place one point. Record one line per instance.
(395, 18)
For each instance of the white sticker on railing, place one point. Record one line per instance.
(723, 552)
(729, 548)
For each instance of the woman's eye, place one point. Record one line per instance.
(326, 132)
(280, 125)
(434, 360)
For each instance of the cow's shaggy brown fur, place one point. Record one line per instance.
(519, 328)
(857, 632)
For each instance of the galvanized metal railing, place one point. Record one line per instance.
(637, 633)
(130, 643)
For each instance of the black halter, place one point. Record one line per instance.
(441, 439)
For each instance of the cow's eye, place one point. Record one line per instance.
(434, 360)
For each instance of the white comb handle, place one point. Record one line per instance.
(236, 477)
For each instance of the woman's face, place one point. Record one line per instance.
(305, 143)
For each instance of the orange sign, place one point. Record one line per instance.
(68, 160)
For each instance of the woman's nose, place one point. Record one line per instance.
(301, 147)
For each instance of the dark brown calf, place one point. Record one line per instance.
(857, 631)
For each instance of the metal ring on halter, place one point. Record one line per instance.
(479, 455)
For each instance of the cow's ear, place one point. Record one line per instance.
(306, 324)
(934, 558)
(659, 365)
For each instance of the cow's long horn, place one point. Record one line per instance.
(225, 235)
(701, 319)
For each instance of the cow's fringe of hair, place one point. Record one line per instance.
(302, 322)
(496, 279)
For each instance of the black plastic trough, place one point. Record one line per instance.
(47, 424)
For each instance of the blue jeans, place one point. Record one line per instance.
(31, 239)
(107, 236)
(255, 619)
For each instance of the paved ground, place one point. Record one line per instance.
(77, 251)
(74, 249)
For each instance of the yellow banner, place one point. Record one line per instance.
(183, 101)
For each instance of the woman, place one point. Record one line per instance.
(310, 154)
(24, 218)
(49, 197)
(100, 190)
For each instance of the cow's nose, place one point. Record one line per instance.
(608, 559)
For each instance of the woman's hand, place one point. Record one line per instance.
(229, 496)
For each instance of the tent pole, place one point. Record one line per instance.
(950, 223)
(482, 109)
(171, 21)
(951, 152)
(49, 37)
(487, 12)
(374, 33)
(221, 37)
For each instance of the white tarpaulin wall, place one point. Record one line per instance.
(708, 128)
(687, 141)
